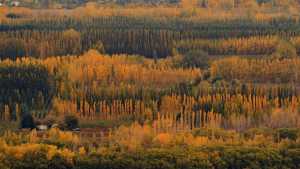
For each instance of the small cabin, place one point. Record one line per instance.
(55, 125)
(42, 127)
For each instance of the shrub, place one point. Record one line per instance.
(57, 162)
(71, 122)
(27, 121)
(194, 58)
(99, 47)
(286, 133)
(285, 50)
(13, 15)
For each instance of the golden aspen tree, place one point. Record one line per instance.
(7, 114)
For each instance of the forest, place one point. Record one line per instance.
(150, 84)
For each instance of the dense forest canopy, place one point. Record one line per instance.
(224, 59)
(105, 60)
(160, 84)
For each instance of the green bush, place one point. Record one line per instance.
(31, 160)
(286, 133)
(216, 133)
(251, 133)
(58, 162)
(71, 122)
(217, 157)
